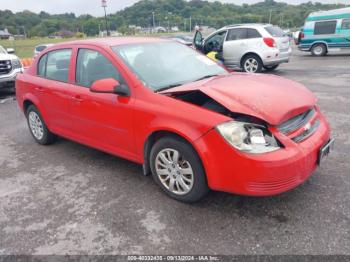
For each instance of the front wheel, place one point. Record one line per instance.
(178, 170)
(252, 64)
(271, 68)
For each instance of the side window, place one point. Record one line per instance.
(325, 28)
(42, 66)
(92, 66)
(57, 65)
(253, 33)
(345, 24)
(237, 34)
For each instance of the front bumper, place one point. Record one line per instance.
(278, 58)
(8, 80)
(272, 173)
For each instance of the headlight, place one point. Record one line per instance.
(248, 137)
(16, 63)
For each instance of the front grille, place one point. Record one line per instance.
(5, 67)
(307, 132)
(296, 122)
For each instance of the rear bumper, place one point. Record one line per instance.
(260, 175)
(278, 58)
(9, 79)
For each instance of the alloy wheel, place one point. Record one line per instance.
(36, 125)
(251, 65)
(174, 171)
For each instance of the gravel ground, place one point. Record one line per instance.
(70, 199)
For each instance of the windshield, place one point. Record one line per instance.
(167, 64)
(2, 50)
(275, 31)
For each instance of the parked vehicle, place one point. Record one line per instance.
(326, 31)
(251, 47)
(39, 48)
(187, 120)
(10, 66)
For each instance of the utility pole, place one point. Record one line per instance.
(190, 24)
(104, 5)
(270, 16)
(282, 18)
(153, 21)
(185, 24)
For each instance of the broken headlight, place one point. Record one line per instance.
(248, 137)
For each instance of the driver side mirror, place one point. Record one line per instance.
(10, 50)
(198, 40)
(110, 86)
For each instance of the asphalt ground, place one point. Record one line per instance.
(70, 199)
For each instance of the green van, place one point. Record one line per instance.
(326, 31)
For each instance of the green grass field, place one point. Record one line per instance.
(25, 48)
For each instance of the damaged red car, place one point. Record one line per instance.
(191, 124)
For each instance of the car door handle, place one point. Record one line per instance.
(39, 89)
(77, 98)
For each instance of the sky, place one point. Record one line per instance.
(93, 6)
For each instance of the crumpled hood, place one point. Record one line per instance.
(268, 97)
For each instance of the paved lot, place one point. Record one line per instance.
(70, 199)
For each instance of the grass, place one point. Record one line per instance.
(24, 48)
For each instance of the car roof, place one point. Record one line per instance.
(245, 25)
(113, 41)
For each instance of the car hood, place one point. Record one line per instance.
(268, 97)
(7, 56)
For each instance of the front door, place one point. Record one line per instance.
(101, 120)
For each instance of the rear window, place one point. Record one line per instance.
(325, 28)
(275, 31)
(236, 34)
(346, 24)
(55, 65)
(252, 33)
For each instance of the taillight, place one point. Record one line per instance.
(270, 42)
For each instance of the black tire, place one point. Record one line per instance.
(271, 68)
(319, 50)
(256, 59)
(199, 187)
(47, 137)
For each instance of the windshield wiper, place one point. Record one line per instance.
(205, 77)
(166, 88)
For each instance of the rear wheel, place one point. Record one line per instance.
(319, 50)
(270, 68)
(252, 64)
(38, 127)
(178, 170)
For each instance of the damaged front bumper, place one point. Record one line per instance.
(230, 170)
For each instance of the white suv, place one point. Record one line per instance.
(251, 47)
(10, 66)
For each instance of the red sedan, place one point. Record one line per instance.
(188, 121)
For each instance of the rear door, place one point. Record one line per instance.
(101, 120)
(235, 46)
(344, 33)
(281, 38)
(52, 87)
